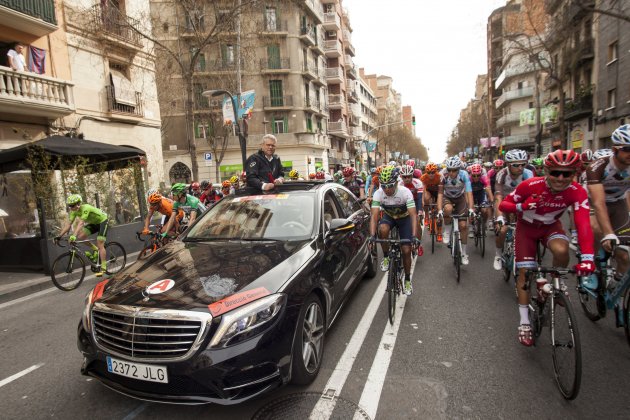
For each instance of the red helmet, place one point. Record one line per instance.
(417, 173)
(411, 163)
(562, 159)
(348, 171)
(499, 163)
(586, 156)
(475, 169)
(195, 186)
(311, 176)
(375, 180)
(226, 184)
(320, 175)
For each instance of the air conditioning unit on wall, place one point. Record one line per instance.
(331, 34)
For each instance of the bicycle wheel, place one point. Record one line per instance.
(565, 346)
(68, 271)
(535, 308)
(508, 261)
(482, 239)
(588, 301)
(457, 257)
(433, 229)
(391, 290)
(116, 257)
(475, 229)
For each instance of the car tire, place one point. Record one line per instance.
(370, 263)
(309, 337)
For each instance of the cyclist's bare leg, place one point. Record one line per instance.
(406, 257)
(101, 250)
(500, 239)
(463, 228)
(523, 295)
(383, 233)
(485, 214)
(560, 250)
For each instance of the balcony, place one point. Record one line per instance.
(511, 95)
(320, 80)
(116, 28)
(347, 41)
(354, 119)
(319, 46)
(131, 107)
(352, 95)
(348, 61)
(315, 10)
(518, 68)
(332, 48)
(509, 119)
(307, 35)
(579, 108)
(275, 27)
(275, 65)
(345, 155)
(323, 109)
(36, 17)
(351, 72)
(331, 22)
(334, 75)
(519, 139)
(309, 70)
(332, 153)
(338, 128)
(34, 95)
(336, 101)
(221, 66)
(278, 103)
(311, 104)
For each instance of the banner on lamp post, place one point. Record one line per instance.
(494, 141)
(484, 141)
(245, 107)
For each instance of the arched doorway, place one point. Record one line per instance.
(180, 173)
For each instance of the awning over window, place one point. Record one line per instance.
(124, 92)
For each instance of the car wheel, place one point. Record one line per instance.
(308, 346)
(371, 263)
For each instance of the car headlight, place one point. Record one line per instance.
(92, 296)
(247, 320)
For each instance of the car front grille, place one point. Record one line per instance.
(148, 334)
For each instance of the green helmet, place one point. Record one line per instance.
(387, 175)
(537, 162)
(74, 199)
(178, 188)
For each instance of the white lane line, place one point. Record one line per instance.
(133, 414)
(371, 395)
(20, 374)
(326, 404)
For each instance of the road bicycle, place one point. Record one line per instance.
(434, 224)
(606, 290)
(68, 269)
(550, 305)
(478, 227)
(507, 253)
(152, 241)
(396, 273)
(455, 244)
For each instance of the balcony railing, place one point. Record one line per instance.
(275, 26)
(336, 101)
(338, 127)
(33, 94)
(310, 70)
(351, 72)
(334, 74)
(519, 139)
(579, 108)
(311, 103)
(278, 101)
(29, 16)
(507, 119)
(112, 22)
(332, 48)
(316, 9)
(510, 95)
(221, 65)
(275, 64)
(331, 21)
(307, 35)
(116, 107)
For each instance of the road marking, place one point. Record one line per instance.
(326, 404)
(133, 414)
(371, 395)
(20, 374)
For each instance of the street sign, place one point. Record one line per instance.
(207, 157)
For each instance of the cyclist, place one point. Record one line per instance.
(227, 188)
(210, 195)
(90, 220)
(399, 210)
(164, 206)
(586, 157)
(189, 204)
(539, 168)
(507, 180)
(600, 153)
(368, 182)
(608, 182)
(431, 179)
(352, 182)
(482, 195)
(454, 196)
(415, 186)
(539, 203)
(294, 175)
(492, 173)
(195, 189)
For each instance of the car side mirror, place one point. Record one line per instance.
(340, 226)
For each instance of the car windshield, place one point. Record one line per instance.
(258, 217)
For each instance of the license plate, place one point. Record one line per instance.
(151, 373)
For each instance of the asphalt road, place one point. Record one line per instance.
(454, 355)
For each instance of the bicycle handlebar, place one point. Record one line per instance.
(392, 241)
(553, 270)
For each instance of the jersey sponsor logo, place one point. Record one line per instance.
(583, 204)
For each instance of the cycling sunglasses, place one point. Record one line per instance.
(453, 170)
(517, 165)
(565, 174)
(475, 176)
(390, 185)
(406, 176)
(625, 149)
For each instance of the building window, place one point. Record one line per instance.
(273, 56)
(275, 92)
(613, 51)
(319, 124)
(309, 123)
(280, 124)
(611, 99)
(227, 54)
(271, 19)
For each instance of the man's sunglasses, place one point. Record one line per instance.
(453, 170)
(406, 176)
(517, 165)
(625, 149)
(390, 185)
(475, 176)
(565, 174)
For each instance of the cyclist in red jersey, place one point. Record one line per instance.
(539, 203)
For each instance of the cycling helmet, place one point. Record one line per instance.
(516, 155)
(205, 184)
(74, 199)
(538, 162)
(498, 163)
(233, 179)
(392, 163)
(155, 198)
(388, 175)
(378, 170)
(621, 136)
(320, 175)
(375, 180)
(475, 169)
(586, 156)
(195, 186)
(411, 163)
(151, 191)
(431, 167)
(562, 159)
(294, 174)
(487, 164)
(363, 175)
(348, 171)
(226, 184)
(602, 153)
(406, 170)
(178, 188)
(453, 163)
(417, 173)
(311, 176)
(372, 171)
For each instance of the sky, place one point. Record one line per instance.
(433, 49)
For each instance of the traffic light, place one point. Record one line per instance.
(413, 120)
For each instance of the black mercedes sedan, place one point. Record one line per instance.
(237, 306)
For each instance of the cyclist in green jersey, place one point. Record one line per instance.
(90, 220)
(181, 200)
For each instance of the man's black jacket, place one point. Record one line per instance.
(259, 169)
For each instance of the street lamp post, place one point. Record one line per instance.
(241, 138)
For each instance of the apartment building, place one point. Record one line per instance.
(366, 113)
(407, 115)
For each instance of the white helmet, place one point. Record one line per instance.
(621, 136)
(453, 163)
(151, 191)
(392, 163)
(406, 170)
(602, 153)
(516, 155)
